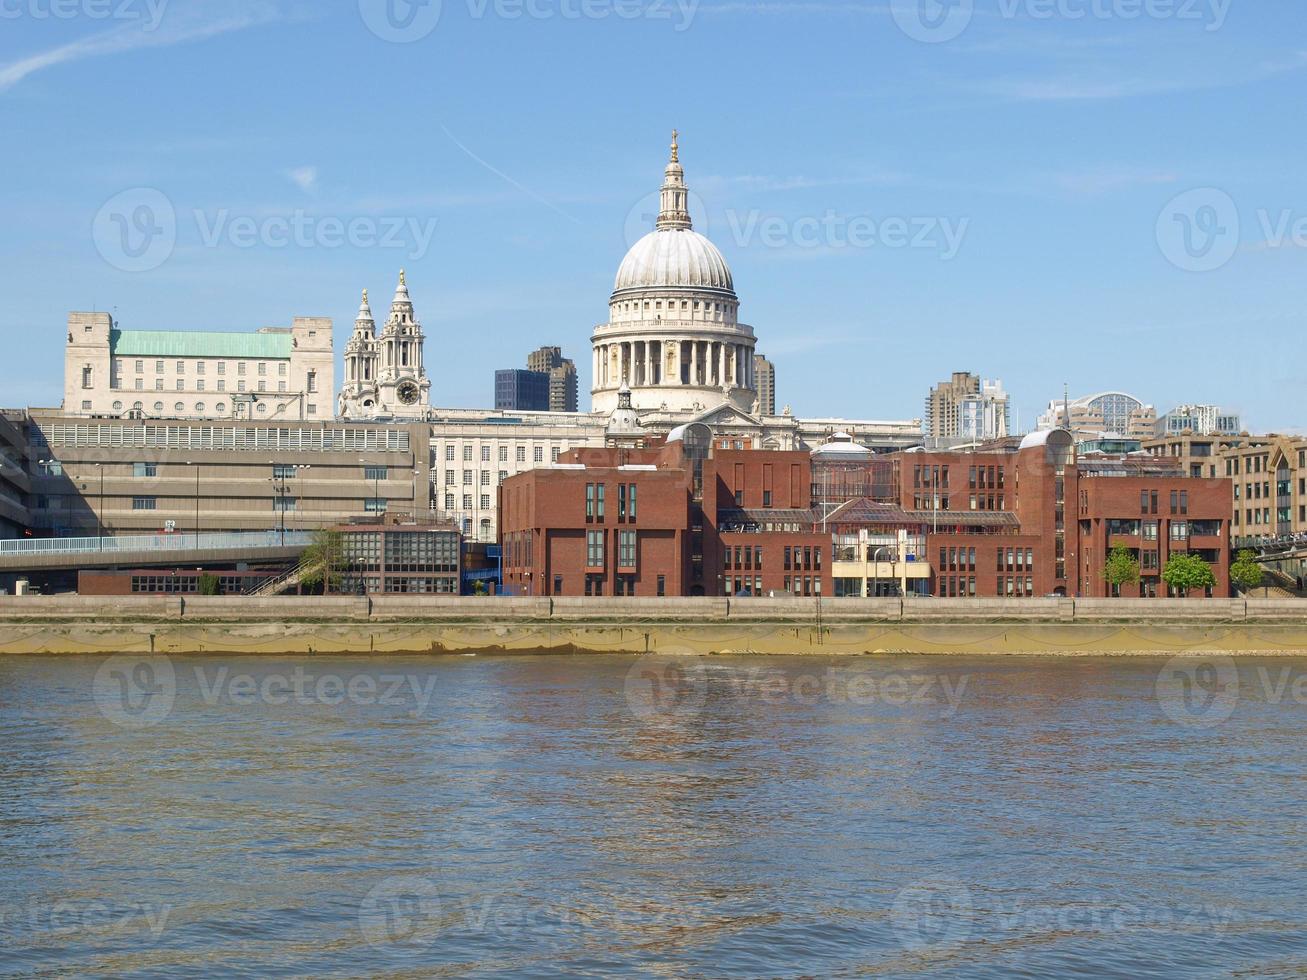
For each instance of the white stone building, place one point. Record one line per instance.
(270, 374)
(385, 377)
(673, 332)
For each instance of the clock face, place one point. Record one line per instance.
(408, 392)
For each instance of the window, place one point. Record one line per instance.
(374, 505)
(449, 501)
(485, 501)
(503, 454)
(630, 514)
(86, 377)
(144, 503)
(467, 501)
(145, 469)
(283, 471)
(538, 454)
(140, 367)
(240, 385)
(449, 453)
(662, 585)
(178, 407)
(181, 367)
(485, 454)
(281, 369)
(263, 386)
(1179, 530)
(86, 406)
(485, 478)
(222, 367)
(140, 385)
(521, 454)
(240, 369)
(181, 385)
(158, 384)
(374, 472)
(222, 385)
(281, 386)
(594, 549)
(589, 501)
(263, 369)
(766, 498)
(283, 503)
(199, 367)
(621, 502)
(158, 367)
(449, 478)
(199, 385)
(467, 478)
(626, 549)
(599, 501)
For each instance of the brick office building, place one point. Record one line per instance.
(679, 517)
(691, 518)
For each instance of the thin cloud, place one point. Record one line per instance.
(195, 23)
(305, 178)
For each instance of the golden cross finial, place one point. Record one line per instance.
(676, 150)
(365, 297)
(401, 278)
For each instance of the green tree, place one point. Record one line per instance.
(1245, 572)
(209, 585)
(1122, 568)
(323, 560)
(1184, 573)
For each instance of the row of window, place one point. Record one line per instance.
(802, 558)
(595, 544)
(742, 556)
(537, 453)
(201, 367)
(595, 494)
(255, 438)
(200, 407)
(1148, 501)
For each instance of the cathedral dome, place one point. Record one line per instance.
(675, 258)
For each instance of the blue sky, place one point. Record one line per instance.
(1106, 193)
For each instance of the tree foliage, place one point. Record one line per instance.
(323, 560)
(1245, 573)
(209, 585)
(1122, 568)
(1185, 573)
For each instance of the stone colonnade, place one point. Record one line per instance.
(648, 363)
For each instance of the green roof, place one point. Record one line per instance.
(197, 343)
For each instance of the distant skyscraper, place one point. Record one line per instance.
(966, 408)
(562, 377)
(522, 391)
(765, 375)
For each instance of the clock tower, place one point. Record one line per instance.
(394, 383)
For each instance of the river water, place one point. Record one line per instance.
(609, 815)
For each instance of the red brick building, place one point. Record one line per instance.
(686, 517)
(676, 518)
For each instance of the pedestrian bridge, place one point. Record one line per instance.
(144, 550)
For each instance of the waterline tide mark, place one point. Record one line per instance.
(137, 230)
(670, 688)
(141, 692)
(407, 21)
(939, 21)
(148, 12)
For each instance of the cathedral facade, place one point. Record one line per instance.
(385, 377)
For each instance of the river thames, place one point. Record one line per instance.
(612, 815)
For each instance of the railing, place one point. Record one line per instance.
(158, 542)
